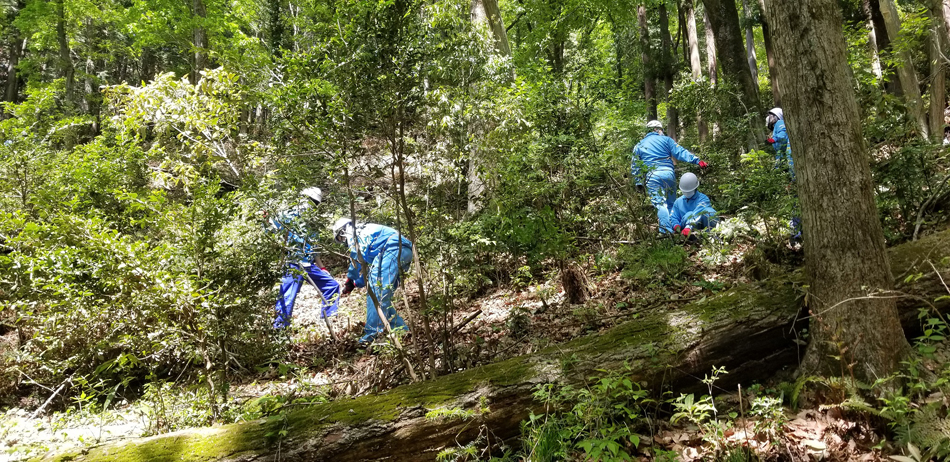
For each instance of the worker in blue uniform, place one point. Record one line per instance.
(692, 210)
(302, 260)
(652, 166)
(388, 255)
(779, 140)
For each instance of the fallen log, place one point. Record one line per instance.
(750, 330)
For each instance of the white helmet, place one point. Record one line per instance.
(778, 113)
(339, 229)
(688, 182)
(314, 194)
(654, 124)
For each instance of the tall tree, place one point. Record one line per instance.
(938, 74)
(200, 39)
(853, 332)
(67, 69)
(905, 68)
(695, 62)
(15, 44)
(770, 55)
(669, 71)
(750, 40)
(724, 19)
(487, 12)
(712, 62)
(649, 76)
(881, 44)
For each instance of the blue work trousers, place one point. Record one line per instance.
(290, 286)
(383, 279)
(661, 183)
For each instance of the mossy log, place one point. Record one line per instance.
(749, 330)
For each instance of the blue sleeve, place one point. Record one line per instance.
(675, 217)
(780, 135)
(704, 208)
(680, 153)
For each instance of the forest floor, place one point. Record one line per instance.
(501, 324)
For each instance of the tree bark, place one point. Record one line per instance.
(67, 69)
(844, 244)
(487, 12)
(649, 76)
(770, 57)
(881, 44)
(750, 42)
(939, 41)
(750, 330)
(672, 115)
(712, 63)
(905, 70)
(200, 40)
(695, 62)
(724, 19)
(11, 88)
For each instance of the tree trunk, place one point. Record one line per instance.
(844, 245)
(770, 57)
(712, 63)
(11, 89)
(695, 62)
(882, 45)
(275, 27)
(724, 19)
(200, 40)
(672, 116)
(649, 76)
(67, 69)
(750, 330)
(938, 86)
(487, 12)
(750, 42)
(905, 70)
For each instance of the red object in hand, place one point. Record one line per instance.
(676, 229)
(703, 164)
(348, 286)
(770, 140)
(686, 232)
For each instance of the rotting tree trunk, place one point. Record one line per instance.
(770, 57)
(844, 251)
(724, 19)
(905, 69)
(749, 330)
(695, 62)
(649, 76)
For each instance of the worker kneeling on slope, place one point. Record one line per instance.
(692, 210)
(388, 254)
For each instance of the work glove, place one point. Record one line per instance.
(676, 229)
(348, 287)
(770, 140)
(703, 164)
(686, 232)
